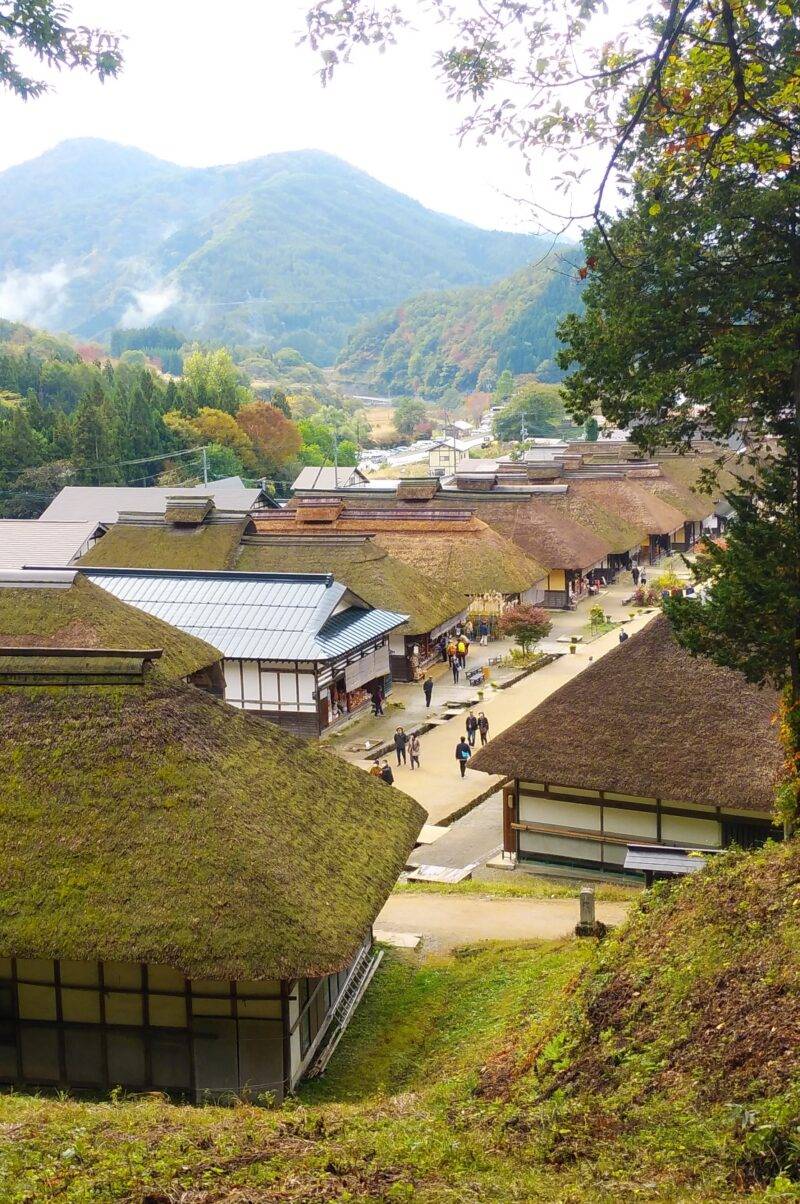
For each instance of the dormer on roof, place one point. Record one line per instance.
(319, 510)
(418, 489)
(182, 511)
(481, 482)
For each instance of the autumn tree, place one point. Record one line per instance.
(275, 438)
(409, 412)
(525, 624)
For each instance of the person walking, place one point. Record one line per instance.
(483, 728)
(472, 729)
(643, 578)
(400, 742)
(386, 774)
(377, 701)
(635, 574)
(427, 688)
(414, 748)
(455, 665)
(463, 754)
(461, 651)
(451, 649)
(483, 632)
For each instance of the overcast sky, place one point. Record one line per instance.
(207, 83)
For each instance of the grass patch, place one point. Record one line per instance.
(521, 888)
(593, 631)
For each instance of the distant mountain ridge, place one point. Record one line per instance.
(291, 249)
(465, 337)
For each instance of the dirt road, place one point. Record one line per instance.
(446, 921)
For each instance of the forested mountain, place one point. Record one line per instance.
(466, 337)
(288, 250)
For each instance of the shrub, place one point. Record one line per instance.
(525, 624)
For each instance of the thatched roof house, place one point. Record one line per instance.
(453, 547)
(189, 539)
(621, 536)
(649, 744)
(657, 521)
(185, 892)
(382, 580)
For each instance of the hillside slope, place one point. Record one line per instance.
(660, 1065)
(466, 337)
(291, 249)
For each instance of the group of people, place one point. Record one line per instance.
(408, 747)
(639, 575)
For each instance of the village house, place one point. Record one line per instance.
(648, 746)
(32, 541)
(434, 608)
(188, 893)
(188, 533)
(451, 547)
(105, 503)
(300, 650)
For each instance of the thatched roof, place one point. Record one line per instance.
(690, 505)
(164, 546)
(650, 720)
(552, 538)
(686, 471)
(364, 567)
(418, 489)
(454, 548)
(633, 503)
(154, 823)
(85, 616)
(190, 511)
(620, 535)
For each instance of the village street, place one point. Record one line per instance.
(437, 784)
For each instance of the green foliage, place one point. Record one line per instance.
(504, 388)
(535, 408)
(591, 429)
(409, 412)
(597, 616)
(40, 30)
(463, 339)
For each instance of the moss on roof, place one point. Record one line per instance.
(686, 472)
(364, 567)
(473, 560)
(158, 824)
(552, 538)
(152, 546)
(651, 720)
(86, 616)
(620, 535)
(635, 505)
(691, 505)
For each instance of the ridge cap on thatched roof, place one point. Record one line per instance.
(649, 719)
(152, 543)
(211, 873)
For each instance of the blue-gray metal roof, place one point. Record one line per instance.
(259, 616)
(665, 859)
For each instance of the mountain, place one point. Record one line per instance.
(466, 337)
(287, 250)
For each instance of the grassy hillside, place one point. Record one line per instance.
(287, 250)
(659, 1065)
(463, 338)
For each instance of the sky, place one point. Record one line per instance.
(206, 83)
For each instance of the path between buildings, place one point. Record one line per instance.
(437, 784)
(447, 921)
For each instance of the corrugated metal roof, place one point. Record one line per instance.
(665, 859)
(104, 503)
(267, 616)
(34, 542)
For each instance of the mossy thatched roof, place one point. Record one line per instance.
(553, 539)
(620, 535)
(686, 471)
(365, 568)
(649, 719)
(632, 503)
(691, 505)
(163, 546)
(85, 616)
(157, 824)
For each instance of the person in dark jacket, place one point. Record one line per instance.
(635, 574)
(472, 729)
(483, 727)
(455, 665)
(463, 754)
(427, 687)
(386, 773)
(623, 636)
(377, 701)
(400, 742)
